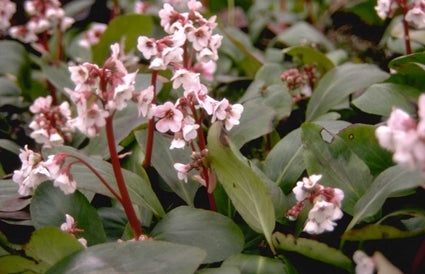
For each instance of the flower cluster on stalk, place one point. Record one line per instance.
(326, 202)
(405, 137)
(415, 11)
(45, 17)
(51, 124)
(190, 49)
(35, 170)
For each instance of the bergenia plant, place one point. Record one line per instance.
(212, 136)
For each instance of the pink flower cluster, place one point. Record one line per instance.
(404, 136)
(7, 9)
(415, 15)
(35, 171)
(50, 124)
(46, 16)
(326, 203)
(99, 92)
(92, 35)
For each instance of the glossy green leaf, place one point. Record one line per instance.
(49, 206)
(303, 33)
(133, 257)
(10, 93)
(379, 232)
(241, 183)
(138, 187)
(412, 74)
(50, 245)
(248, 264)
(128, 27)
(10, 146)
(398, 62)
(218, 235)
(270, 74)
(380, 99)
(18, 264)
(312, 249)
(336, 85)
(285, 163)
(163, 160)
(58, 75)
(310, 56)
(13, 57)
(329, 155)
(389, 182)
(76, 7)
(114, 222)
(256, 121)
(361, 139)
(10, 200)
(219, 270)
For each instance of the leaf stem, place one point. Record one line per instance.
(126, 202)
(151, 127)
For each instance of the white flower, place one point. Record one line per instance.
(199, 37)
(185, 78)
(147, 46)
(416, 17)
(182, 171)
(321, 217)
(304, 188)
(65, 182)
(69, 224)
(171, 118)
(92, 35)
(7, 9)
(383, 8)
(364, 263)
(144, 102)
(233, 116)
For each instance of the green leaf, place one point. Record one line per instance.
(241, 183)
(303, 33)
(138, 187)
(219, 270)
(114, 222)
(10, 93)
(10, 146)
(49, 206)
(255, 264)
(270, 74)
(285, 163)
(218, 235)
(50, 245)
(13, 57)
(336, 85)
(329, 155)
(18, 264)
(391, 181)
(10, 200)
(312, 249)
(310, 56)
(362, 140)
(256, 121)
(128, 27)
(399, 62)
(380, 99)
(58, 75)
(133, 257)
(412, 74)
(74, 8)
(163, 160)
(379, 232)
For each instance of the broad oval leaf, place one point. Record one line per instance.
(128, 27)
(308, 55)
(50, 245)
(398, 62)
(248, 263)
(245, 188)
(336, 85)
(49, 206)
(163, 160)
(361, 139)
(133, 257)
(138, 187)
(218, 235)
(329, 155)
(379, 232)
(380, 99)
(312, 249)
(285, 163)
(389, 182)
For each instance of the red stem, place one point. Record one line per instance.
(151, 127)
(126, 202)
(406, 27)
(60, 45)
(104, 182)
(419, 258)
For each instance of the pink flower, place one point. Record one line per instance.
(182, 171)
(171, 117)
(66, 183)
(233, 116)
(185, 78)
(7, 9)
(147, 46)
(144, 99)
(321, 217)
(305, 187)
(92, 35)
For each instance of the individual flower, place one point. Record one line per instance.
(65, 182)
(364, 263)
(144, 102)
(383, 8)
(7, 9)
(416, 17)
(182, 170)
(322, 216)
(304, 188)
(70, 226)
(147, 46)
(92, 35)
(32, 172)
(170, 117)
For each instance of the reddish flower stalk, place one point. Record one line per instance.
(151, 126)
(125, 197)
(405, 9)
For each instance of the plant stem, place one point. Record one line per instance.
(151, 127)
(126, 202)
(406, 27)
(231, 12)
(104, 182)
(419, 257)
